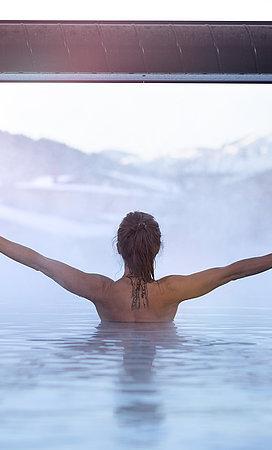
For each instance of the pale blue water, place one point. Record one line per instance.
(68, 382)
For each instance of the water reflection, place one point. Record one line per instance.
(114, 385)
(138, 404)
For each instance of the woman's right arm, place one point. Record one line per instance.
(20, 253)
(91, 286)
(185, 287)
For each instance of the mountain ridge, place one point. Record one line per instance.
(29, 158)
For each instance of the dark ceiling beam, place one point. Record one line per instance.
(136, 51)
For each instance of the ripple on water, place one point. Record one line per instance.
(203, 382)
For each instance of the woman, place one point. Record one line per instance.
(136, 296)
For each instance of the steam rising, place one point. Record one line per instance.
(213, 207)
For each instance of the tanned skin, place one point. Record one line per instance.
(112, 299)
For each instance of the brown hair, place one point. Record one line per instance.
(138, 242)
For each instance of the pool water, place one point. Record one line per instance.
(69, 382)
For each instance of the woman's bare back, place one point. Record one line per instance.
(118, 298)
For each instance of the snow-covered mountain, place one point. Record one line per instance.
(25, 159)
(48, 176)
(243, 157)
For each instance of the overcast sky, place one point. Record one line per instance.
(146, 119)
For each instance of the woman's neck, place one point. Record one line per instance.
(128, 273)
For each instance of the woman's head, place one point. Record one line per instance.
(138, 242)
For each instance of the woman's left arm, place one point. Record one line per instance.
(88, 285)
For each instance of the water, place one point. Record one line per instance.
(70, 382)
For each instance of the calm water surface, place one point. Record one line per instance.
(70, 382)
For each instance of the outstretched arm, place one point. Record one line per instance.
(88, 285)
(185, 287)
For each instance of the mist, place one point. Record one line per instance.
(213, 208)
